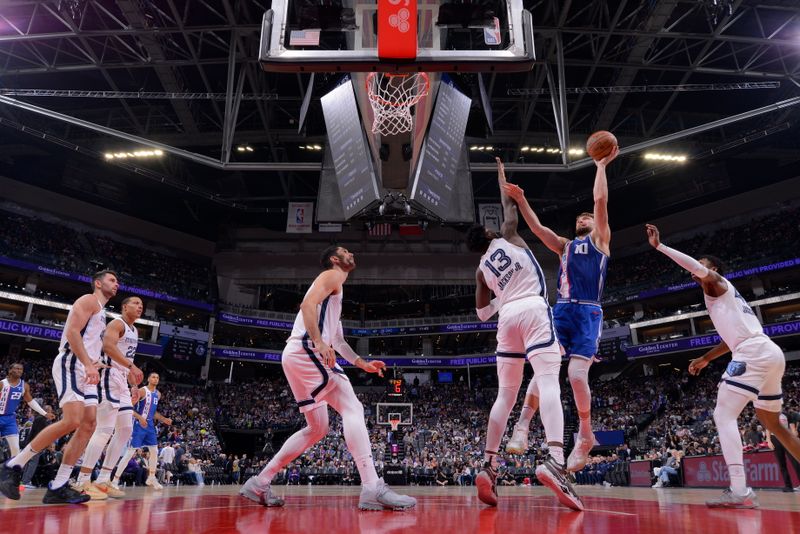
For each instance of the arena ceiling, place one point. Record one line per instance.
(640, 69)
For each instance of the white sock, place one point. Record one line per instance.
(119, 441)
(729, 405)
(550, 410)
(356, 437)
(557, 452)
(738, 480)
(123, 463)
(297, 444)
(104, 476)
(498, 418)
(64, 471)
(22, 458)
(84, 477)
(13, 444)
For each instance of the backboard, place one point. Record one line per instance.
(404, 411)
(315, 36)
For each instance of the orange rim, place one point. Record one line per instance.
(404, 103)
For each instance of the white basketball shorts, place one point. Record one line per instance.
(756, 371)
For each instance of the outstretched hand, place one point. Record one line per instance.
(374, 366)
(608, 159)
(501, 171)
(514, 192)
(697, 365)
(652, 235)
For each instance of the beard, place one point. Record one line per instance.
(580, 232)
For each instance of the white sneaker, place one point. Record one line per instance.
(579, 455)
(260, 494)
(518, 444)
(658, 484)
(91, 490)
(153, 483)
(729, 499)
(384, 498)
(114, 485)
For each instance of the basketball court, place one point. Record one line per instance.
(444, 510)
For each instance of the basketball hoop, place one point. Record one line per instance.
(394, 422)
(391, 97)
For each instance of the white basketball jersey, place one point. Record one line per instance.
(127, 346)
(92, 335)
(329, 313)
(511, 272)
(733, 318)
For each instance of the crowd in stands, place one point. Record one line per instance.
(749, 244)
(63, 247)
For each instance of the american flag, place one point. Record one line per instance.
(304, 38)
(380, 230)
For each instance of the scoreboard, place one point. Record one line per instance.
(395, 387)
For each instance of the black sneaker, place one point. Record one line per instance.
(554, 475)
(10, 478)
(64, 495)
(486, 483)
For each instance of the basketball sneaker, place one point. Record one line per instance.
(10, 478)
(109, 489)
(153, 483)
(381, 497)
(518, 444)
(486, 483)
(729, 499)
(66, 494)
(554, 475)
(580, 454)
(92, 491)
(261, 494)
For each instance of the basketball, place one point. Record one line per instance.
(600, 144)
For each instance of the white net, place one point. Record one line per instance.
(391, 97)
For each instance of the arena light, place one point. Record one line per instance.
(674, 158)
(525, 148)
(135, 154)
(244, 148)
(576, 151)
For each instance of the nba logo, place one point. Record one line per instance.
(492, 35)
(300, 216)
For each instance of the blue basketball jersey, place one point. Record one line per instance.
(582, 272)
(148, 405)
(10, 396)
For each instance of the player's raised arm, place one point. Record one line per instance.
(510, 213)
(551, 240)
(687, 262)
(344, 349)
(602, 231)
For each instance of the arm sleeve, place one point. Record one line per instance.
(687, 262)
(342, 347)
(36, 408)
